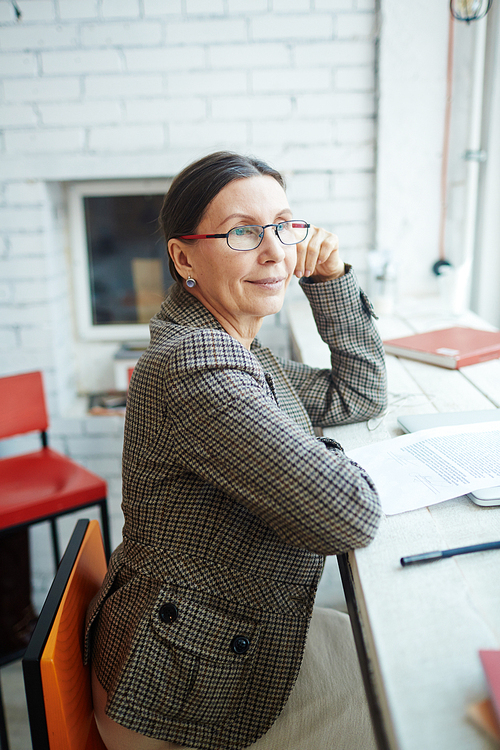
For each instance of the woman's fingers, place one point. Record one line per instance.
(318, 255)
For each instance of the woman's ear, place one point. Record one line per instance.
(180, 253)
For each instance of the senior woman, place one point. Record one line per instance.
(197, 635)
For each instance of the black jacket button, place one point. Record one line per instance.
(240, 644)
(168, 613)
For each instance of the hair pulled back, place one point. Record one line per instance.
(197, 185)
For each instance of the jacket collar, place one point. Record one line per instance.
(181, 308)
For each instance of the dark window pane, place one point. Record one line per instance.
(128, 262)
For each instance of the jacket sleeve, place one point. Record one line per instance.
(228, 429)
(355, 388)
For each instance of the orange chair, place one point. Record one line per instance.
(57, 684)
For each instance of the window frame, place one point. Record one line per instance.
(76, 192)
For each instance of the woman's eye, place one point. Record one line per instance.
(244, 231)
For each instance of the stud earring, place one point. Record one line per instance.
(190, 282)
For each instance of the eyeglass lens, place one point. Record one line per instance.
(250, 237)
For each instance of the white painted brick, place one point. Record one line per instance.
(106, 425)
(37, 10)
(6, 12)
(355, 25)
(105, 467)
(28, 243)
(21, 218)
(318, 212)
(60, 426)
(8, 338)
(127, 138)
(44, 141)
(17, 114)
(328, 157)
(24, 360)
(37, 37)
(366, 5)
(335, 105)
(338, 52)
(81, 113)
(19, 315)
(12, 270)
(28, 192)
(208, 30)
(258, 55)
(78, 9)
(209, 134)
(359, 130)
(121, 34)
(355, 79)
(81, 61)
(17, 63)
(291, 6)
(251, 107)
(355, 235)
(236, 7)
(94, 446)
(311, 186)
(201, 7)
(165, 59)
(298, 27)
(291, 80)
(337, 5)
(360, 185)
(223, 82)
(162, 7)
(353, 210)
(120, 8)
(165, 110)
(35, 337)
(292, 131)
(31, 291)
(125, 85)
(6, 295)
(42, 89)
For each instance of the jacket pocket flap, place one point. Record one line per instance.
(205, 627)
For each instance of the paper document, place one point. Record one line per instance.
(429, 466)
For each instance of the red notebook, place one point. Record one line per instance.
(491, 666)
(450, 347)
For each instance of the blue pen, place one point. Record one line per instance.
(439, 554)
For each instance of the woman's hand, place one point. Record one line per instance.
(318, 256)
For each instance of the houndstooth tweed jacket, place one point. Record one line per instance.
(230, 504)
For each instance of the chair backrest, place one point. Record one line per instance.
(22, 404)
(57, 683)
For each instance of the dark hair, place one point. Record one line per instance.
(197, 185)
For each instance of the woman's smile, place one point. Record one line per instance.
(272, 283)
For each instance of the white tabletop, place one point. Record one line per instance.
(423, 625)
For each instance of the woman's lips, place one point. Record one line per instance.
(269, 283)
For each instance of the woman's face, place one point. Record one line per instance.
(242, 287)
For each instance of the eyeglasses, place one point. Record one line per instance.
(249, 237)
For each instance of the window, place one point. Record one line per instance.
(120, 263)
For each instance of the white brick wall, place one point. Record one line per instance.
(95, 89)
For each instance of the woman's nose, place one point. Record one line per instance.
(271, 247)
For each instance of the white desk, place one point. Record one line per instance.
(422, 626)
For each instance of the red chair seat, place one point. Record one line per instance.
(44, 483)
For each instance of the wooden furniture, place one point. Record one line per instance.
(58, 685)
(419, 629)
